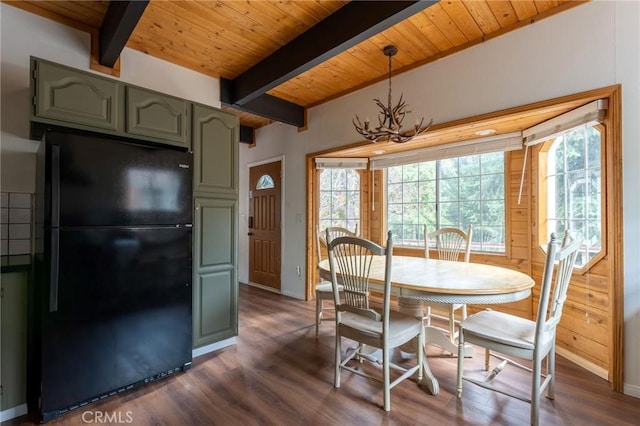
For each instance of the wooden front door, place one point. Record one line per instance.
(264, 224)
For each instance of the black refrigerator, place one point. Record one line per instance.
(110, 308)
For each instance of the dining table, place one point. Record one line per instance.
(416, 280)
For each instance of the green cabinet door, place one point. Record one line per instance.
(75, 97)
(215, 295)
(158, 116)
(13, 328)
(215, 151)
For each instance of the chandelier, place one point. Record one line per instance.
(390, 117)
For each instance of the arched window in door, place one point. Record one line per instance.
(265, 182)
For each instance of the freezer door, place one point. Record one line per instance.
(122, 312)
(96, 181)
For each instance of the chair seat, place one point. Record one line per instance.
(402, 327)
(502, 328)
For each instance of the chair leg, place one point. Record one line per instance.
(336, 379)
(535, 389)
(318, 314)
(487, 359)
(385, 379)
(421, 355)
(460, 362)
(551, 371)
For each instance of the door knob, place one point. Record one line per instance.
(250, 233)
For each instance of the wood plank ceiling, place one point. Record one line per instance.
(225, 39)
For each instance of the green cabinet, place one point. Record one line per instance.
(75, 97)
(156, 115)
(13, 352)
(215, 295)
(215, 149)
(215, 139)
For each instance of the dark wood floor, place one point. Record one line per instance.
(278, 374)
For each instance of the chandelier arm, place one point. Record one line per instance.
(390, 117)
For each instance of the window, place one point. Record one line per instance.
(265, 182)
(453, 192)
(339, 198)
(574, 188)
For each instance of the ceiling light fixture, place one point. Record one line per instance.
(390, 118)
(485, 132)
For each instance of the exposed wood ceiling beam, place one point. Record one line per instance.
(350, 25)
(247, 134)
(265, 105)
(118, 24)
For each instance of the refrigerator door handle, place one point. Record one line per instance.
(55, 186)
(55, 257)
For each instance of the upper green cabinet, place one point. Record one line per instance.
(157, 115)
(215, 151)
(71, 96)
(77, 99)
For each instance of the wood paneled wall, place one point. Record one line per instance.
(590, 332)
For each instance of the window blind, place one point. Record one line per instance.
(341, 163)
(586, 115)
(506, 142)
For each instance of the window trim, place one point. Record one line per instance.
(541, 155)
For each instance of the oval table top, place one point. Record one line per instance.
(447, 281)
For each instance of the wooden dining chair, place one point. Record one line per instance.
(510, 335)
(350, 260)
(455, 245)
(324, 290)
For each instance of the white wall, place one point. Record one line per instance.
(591, 46)
(23, 35)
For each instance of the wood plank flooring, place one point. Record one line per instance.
(279, 374)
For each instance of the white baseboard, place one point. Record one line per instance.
(631, 390)
(213, 347)
(587, 365)
(12, 413)
(264, 287)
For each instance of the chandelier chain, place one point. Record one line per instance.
(389, 96)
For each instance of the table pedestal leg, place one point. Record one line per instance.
(429, 381)
(437, 337)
